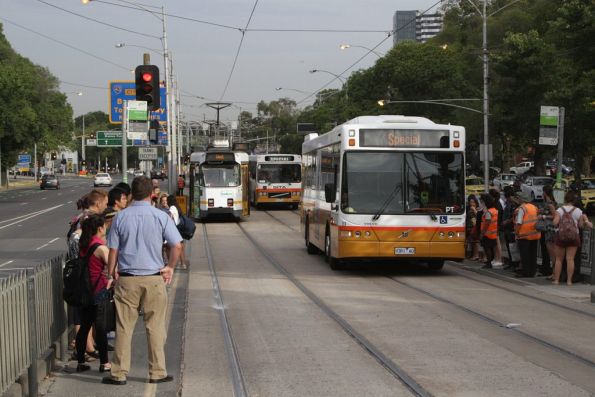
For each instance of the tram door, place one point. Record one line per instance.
(195, 191)
(245, 190)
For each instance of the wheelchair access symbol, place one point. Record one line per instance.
(443, 219)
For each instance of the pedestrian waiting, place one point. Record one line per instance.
(135, 243)
(526, 235)
(489, 229)
(569, 221)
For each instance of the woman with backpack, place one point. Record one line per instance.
(175, 211)
(92, 242)
(569, 220)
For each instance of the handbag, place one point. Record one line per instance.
(106, 312)
(541, 225)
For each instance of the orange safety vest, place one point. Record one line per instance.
(492, 232)
(527, 230)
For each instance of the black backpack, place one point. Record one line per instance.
(186, 227)
(77, 284)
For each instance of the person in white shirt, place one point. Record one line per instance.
(175, 211)
(567, 249)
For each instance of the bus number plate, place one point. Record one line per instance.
(404, 251)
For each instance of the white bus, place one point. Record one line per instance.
(385, 187)
(275, 179)
(219, 183)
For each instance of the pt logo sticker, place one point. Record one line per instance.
(443, 219)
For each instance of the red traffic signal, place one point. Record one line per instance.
(147, 85)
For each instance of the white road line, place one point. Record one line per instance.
(32, 216)
(56, 239)
(48, 243)
(22, 216)
(6, 263)
(70, 202)
(24, 203)
(43, 198)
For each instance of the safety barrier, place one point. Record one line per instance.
(32, 319)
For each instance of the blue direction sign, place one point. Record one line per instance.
(24, 158)
(120, 91)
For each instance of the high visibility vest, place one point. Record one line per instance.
(492, 232)
(527, 229)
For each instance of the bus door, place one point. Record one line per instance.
(245, 189)
(195, 191)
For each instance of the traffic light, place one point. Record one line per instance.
(54, 156)
(146, 79)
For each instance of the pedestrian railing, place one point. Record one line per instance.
(32, 319)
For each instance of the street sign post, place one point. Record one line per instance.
(120, 91)
(23, 162)
(137, 123)
(548, 125)
(147, 153)
(91, 142)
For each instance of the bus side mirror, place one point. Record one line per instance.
(330, 192)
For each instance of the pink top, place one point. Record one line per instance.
(96, 267)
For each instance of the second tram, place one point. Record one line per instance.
(385, 187)
(219, 183)
(275, 179)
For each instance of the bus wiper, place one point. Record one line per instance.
(388, 200)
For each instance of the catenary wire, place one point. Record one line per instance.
(65, 44)
(235, 60)
(83, 85)
(98, 21)
(371, 50)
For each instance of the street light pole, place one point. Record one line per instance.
(341, 79)
(486, 159)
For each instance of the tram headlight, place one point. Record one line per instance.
(211, 202)
(230, 202)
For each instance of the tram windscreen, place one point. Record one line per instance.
(279, 173)
(220, 175)
(403, 183)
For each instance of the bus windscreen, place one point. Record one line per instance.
(279, 173)
(403, 183)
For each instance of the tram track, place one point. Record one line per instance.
(281, 222)
(493, 321)
(409, 382)
(239, 387)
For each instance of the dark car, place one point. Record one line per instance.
(49, 181)
(157, 174)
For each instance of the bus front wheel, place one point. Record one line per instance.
(334, 263)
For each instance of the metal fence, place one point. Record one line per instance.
(32, 319)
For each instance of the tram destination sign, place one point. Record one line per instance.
(278, 158)
(403, 138)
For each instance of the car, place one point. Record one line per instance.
(521, 167)
(533, 186)
(138, 173)
(587, 189)
(503, 180)
(102, 179)
(157, 174)
(49, 181)
(474, 185)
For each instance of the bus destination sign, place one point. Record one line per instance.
(278, 158)
(403, 138)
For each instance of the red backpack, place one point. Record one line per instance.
(567, 228)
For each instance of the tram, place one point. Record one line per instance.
(275, 179)
(385, 187)
(219, 183)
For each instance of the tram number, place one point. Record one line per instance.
(404, 251)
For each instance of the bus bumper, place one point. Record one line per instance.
(402, 250)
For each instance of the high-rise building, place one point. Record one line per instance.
(413, 25)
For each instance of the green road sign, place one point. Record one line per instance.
(548, 125)
(110, 138)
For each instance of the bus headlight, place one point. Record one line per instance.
(345, 233)
(211, 202)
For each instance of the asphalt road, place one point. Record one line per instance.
(34, 222)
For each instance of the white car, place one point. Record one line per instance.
(503, 180)
(521, 167)
(138, 173)
(533, 186)
(102, 179)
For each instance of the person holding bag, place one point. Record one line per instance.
(93, 238)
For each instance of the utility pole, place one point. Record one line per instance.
(83, 143)
(486, 159)
(35, 170)
(124, 143)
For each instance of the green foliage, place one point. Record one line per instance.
(33, 110)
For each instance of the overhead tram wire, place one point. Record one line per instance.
(65, 44)
(83, 85)
(367, 53)
(235, 60)
(98, 21)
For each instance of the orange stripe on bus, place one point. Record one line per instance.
(279, 190)
(404, 228)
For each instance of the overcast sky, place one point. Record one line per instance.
(203, 54)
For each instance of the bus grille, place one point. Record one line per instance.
(279, 195)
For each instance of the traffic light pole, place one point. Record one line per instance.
(171, 167)
(124, 142)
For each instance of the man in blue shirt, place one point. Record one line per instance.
(135, 244)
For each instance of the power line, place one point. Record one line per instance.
(83, 85)
(98, 21)
(235, 60)
(371, 50)
(316, 30)
(65, 44)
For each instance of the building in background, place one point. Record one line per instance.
(413, 25)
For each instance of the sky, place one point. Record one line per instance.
(203, 54)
